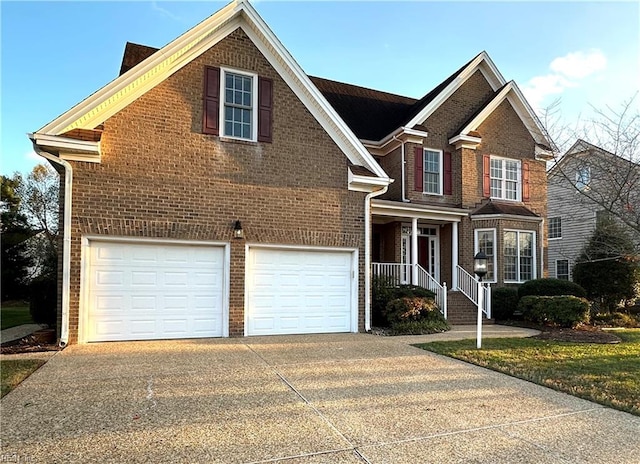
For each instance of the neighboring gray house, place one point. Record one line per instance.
(579, 185)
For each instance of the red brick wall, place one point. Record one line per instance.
(161, 177)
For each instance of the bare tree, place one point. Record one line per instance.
(600, 172)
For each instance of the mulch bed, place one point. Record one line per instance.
(28, 344)
(581, 335)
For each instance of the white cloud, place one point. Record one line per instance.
(579, 65)
(33, 156)
(566, 72)
(164, 11)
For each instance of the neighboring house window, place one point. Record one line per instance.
(237, 105)
(555, 227)
(432, 172)
(562, 269)
(485, 241)
(583, 177)
(505, 179)
(519, 256)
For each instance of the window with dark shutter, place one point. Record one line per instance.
(486, 176)
(448, 179)
(418, 171)
(265, 109)
(526, 189)
(211, 101)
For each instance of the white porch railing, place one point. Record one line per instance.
(426, 280)
(400, 274)
(468, 285)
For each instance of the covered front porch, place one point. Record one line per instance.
(420, 245)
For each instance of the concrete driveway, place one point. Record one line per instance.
(302, 399)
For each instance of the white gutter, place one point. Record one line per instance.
(367, 255)
(66, 238)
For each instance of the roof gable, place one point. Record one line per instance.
(159, 65)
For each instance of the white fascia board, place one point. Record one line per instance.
(65, 144)
(481, 217)
(496, 82)
(465, 141)
(146, 74)
(486, 111)
(526, 113)
(392, 141)
(392, 208)
(280, 58)
(365, 183)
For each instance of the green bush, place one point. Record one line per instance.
(43, 303)
(550, 287)
(384, 291)
(504, 301)
(413, 315)
(616, 320)
(563, 311)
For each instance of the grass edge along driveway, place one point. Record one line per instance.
(602, 373)
(14, 371)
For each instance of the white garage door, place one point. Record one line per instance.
(145, 291)
(297, 292)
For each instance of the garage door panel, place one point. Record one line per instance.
(154, 291)
(298, 291)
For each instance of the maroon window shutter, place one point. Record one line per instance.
(211, 110)
(486, 176)
(265, 109)
(448, 188)
(526, 189)
(418, 171)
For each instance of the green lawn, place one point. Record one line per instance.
(606, 374)
(12, 372)
(13, 314)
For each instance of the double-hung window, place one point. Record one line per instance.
(505, 179)
(555, 227)
(485, 241)
(562, 269)
(432, 167)
(239, 103)
(519, 252)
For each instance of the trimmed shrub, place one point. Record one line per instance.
(504, 301)
(384, 291)
(551, 287)
(616, 320)
(43, 302)
(415, 315)
(563, 311)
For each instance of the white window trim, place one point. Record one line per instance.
(518, 181)
(534, 246)
(549, 228)
(568, 268)
(440, 174)
(254, 103)
(476, 249)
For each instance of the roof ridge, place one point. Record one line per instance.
(362, 87)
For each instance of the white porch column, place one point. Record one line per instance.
(414, 250)
(454, 256)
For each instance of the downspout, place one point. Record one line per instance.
(367, 255)
(402, 169)
(541, 249)
(66, 240)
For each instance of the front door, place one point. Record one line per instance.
(427, 251)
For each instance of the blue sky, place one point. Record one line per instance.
(54, 54)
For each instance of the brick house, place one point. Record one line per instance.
(214, 189)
